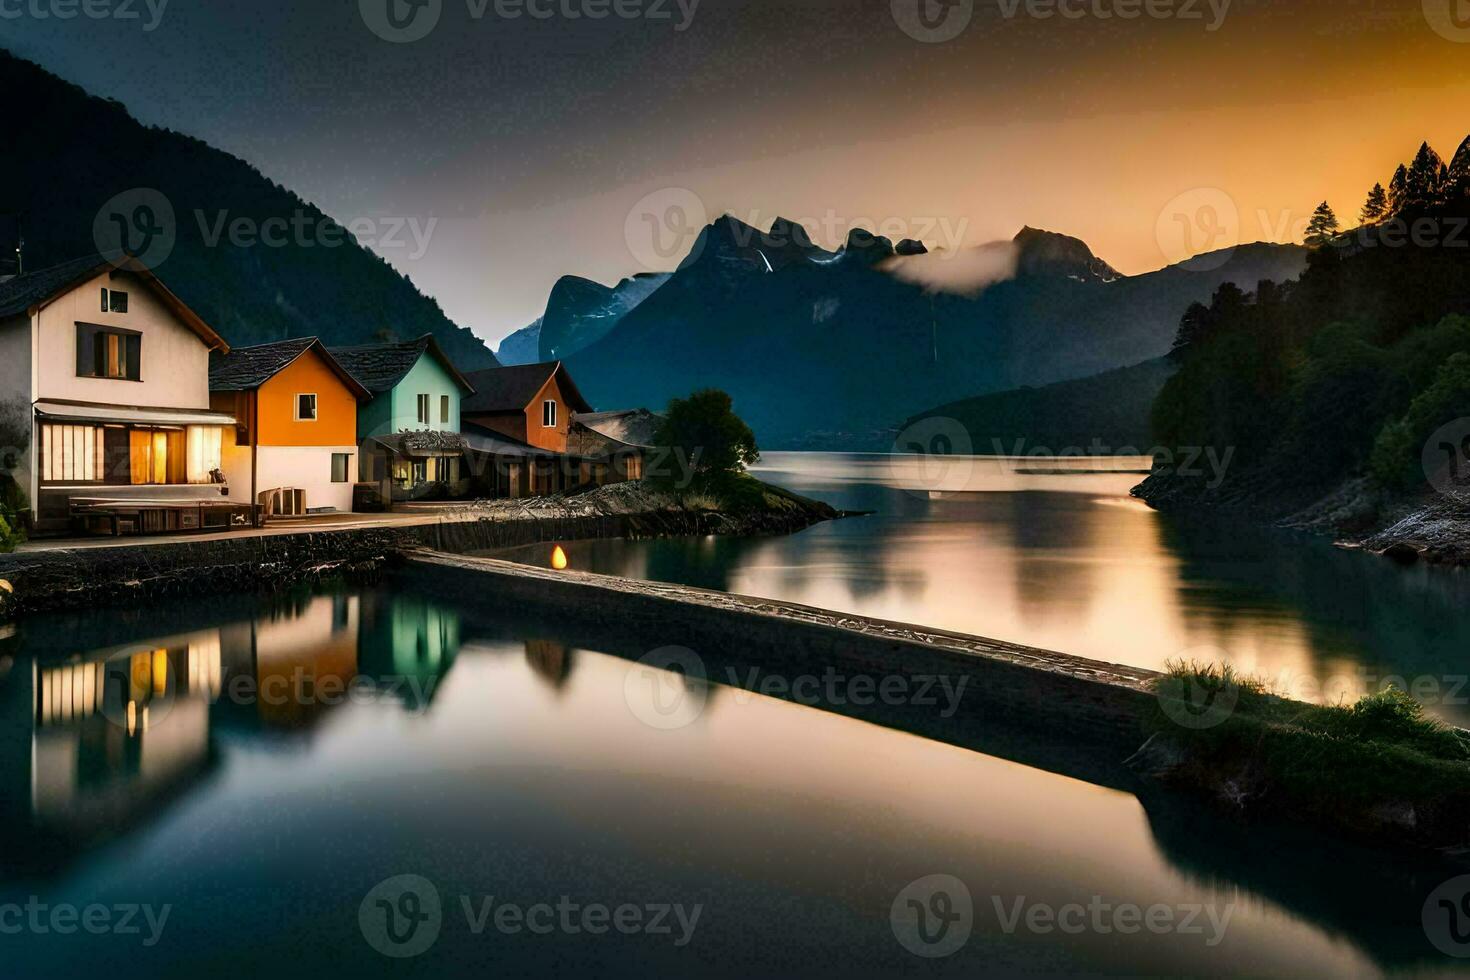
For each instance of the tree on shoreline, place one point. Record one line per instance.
(702, 442)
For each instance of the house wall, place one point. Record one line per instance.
(174, 367)
(336, 421)
(306, 468)
(375, 417)
(539, 435)
(235, 462)
(428, 377)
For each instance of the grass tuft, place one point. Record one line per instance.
(1382, 750)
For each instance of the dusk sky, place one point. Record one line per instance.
(530, 143)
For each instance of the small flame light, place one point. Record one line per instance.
(558, 559)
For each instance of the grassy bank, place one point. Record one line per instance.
(743, 494)
(1379, 767)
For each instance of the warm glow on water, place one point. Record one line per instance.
(515, 765)
(494, 755)
(1053, 554)
(558, 558)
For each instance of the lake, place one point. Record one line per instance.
(1054, 553)
(382, 780)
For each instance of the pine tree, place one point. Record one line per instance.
(1424, 178)
(1323, 226)
(1398, 190)
(1457, 183)
(1194, 327)
(1376, 207)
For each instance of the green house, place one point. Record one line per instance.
(409, 431)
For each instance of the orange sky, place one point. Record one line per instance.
(533, 145)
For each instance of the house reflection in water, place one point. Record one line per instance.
(408, 645)
(102, 740)
(90, 743)
(289, 667)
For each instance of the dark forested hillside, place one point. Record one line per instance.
(1344, 374)
(67, 154)
(1104, 414)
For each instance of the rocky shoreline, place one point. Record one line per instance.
(143, 571)
(1430, 526)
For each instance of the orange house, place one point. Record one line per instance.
(294, 448)
(531, 403)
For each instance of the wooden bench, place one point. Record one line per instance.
(118, 517)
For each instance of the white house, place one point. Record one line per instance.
(104, 399)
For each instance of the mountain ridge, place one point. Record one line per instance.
(831, 350)
(342, 292)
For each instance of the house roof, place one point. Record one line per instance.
(32, 289)
(631, 427)
(510, 389)
(247, 368)
(380, 367)
(480, 439)
(35, 290)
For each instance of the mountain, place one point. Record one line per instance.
(830, 350)
(71, 153)
(580, 312)
(1048, 253)
(1099, 415)
(521, 347)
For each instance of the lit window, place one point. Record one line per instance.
(306, 408)
(205, 450)
(71, 452)
(104, 353)
(548, 414)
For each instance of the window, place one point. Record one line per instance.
(114, 301)
(340, 463)
(71, 452)
(205, 450)
(306, 408)
(103, 352)
(548, 414)
(120, 455)
(444, 409)
(157, 456)
(423, 409)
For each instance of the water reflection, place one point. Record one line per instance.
(94, 741)
(524, 764)
(1024, 551)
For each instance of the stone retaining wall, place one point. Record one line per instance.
(1006, 684)
(146, 571)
